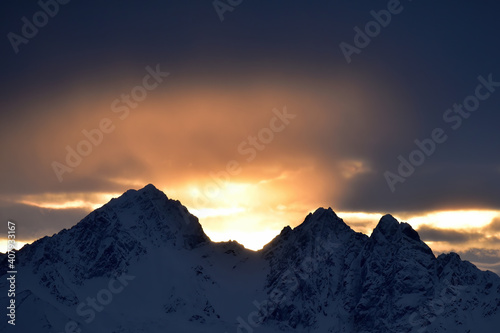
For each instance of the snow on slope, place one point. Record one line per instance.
(142, 263)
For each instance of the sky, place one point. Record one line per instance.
(255, 113)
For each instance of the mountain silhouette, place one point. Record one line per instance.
(142, 263)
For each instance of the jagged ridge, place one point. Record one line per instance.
(318, 277)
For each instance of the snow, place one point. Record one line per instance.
(318, 277)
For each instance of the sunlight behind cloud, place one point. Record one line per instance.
(253, 211)
(89, 202)
(254, 240)
(360, 221)
(460, 219)
(212, 212)
(4, 245)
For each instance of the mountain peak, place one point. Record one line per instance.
(138, 219)
(150, 188)
(318, 229)
(450, 258)
(321, 276)
(391, 231)
(388, 221)
(321, 216)
(387, 226)
(149, 191)
(158, 216)
(325, 213)
(323, 222)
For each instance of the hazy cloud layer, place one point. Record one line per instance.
(451, 236)
(484, 259)
(33, 222)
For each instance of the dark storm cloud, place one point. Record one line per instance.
(432, 187)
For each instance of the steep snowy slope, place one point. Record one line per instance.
(315, 268)
(142, 263)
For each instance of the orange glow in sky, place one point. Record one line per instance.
(183, 137)
(254, 213)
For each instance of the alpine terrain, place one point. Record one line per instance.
(142, 263)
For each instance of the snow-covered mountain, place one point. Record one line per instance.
(142, 263)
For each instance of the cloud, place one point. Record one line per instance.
(472, 245)
(459, 239)
(484, 259)
(34, 222)
(428, 233)
(431, 187)
(191, 127)
(352, 121)
(494, 226)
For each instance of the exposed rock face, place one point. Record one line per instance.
(318, 277)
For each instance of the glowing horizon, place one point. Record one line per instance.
(239, 215)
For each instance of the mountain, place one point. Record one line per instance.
(142, 263)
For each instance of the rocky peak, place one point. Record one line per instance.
(387, 225)
(323, 222)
